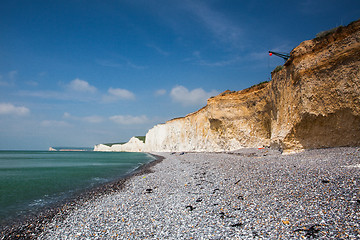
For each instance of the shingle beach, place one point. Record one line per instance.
(247, 194)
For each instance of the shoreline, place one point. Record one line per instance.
(31, 225)
(244, 194)
(250, 193)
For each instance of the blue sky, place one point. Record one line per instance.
(78, 73)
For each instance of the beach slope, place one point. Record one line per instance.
(252, 193)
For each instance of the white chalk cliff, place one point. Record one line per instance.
(313, 102)
(133, 145)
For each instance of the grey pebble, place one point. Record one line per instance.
(248, 194)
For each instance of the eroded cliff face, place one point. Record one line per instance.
(313, 102)
(229, 121)
(315, 99)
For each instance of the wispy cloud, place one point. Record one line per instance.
(45, 94)
(11, 109)
(121, 63)
(129, 120)
(160, 92)
(88, 119)
(54, 123)
(115, 94)
(108, 63)
(32, 83)
(93, 119)
(197, 59)
(84, 92)
(3, 83)
(42, 74)
(188, 97)
(159, 50)
(217, 23)
(12, 75)
(8, 79)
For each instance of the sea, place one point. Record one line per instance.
(33, 180)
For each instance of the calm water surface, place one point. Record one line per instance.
(31, 180)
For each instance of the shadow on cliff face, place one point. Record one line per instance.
(215, 124)
(341, 128)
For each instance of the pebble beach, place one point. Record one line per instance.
(247, 194)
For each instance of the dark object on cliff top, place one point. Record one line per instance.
(327, 32)
(284, 56)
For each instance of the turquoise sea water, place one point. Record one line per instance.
(31, 180)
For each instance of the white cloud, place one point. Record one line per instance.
(67, 115)
(118, 93)
(160, 92)
(10, 109)
(129, 120)
(121, 93)
(196, 96)
(81, 86)
(9, 79)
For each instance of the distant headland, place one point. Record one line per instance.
(70, 149)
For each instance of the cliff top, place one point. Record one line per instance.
(307, 47)
(323, 39)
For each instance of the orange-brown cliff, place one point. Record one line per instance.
(313, 102)
(315, 99)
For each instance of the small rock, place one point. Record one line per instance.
(190, 208)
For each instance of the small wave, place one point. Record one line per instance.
(38, 203)
(98, 179)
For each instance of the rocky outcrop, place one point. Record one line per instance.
(313, 102)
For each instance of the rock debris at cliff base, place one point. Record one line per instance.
(247, 194)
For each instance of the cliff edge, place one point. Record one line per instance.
(313, 102)
(315, 99)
